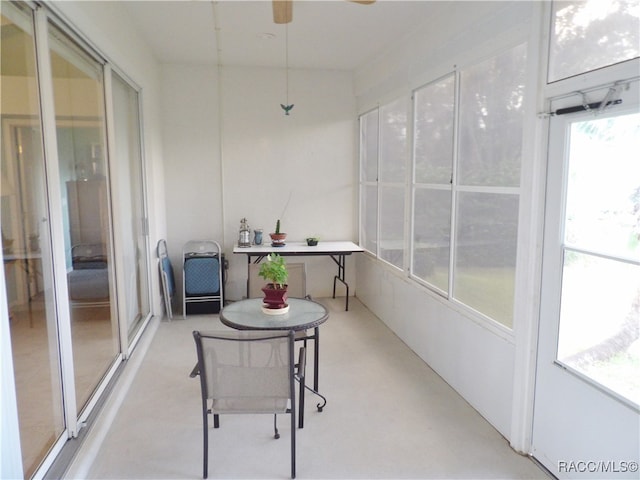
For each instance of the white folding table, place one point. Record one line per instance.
(337, 250)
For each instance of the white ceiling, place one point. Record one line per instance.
(326, 34)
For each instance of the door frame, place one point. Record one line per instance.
(546, 440)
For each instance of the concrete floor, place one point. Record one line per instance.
(389, 416)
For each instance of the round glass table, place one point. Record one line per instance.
(248, 315)
(302, 315)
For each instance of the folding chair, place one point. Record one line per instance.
(202, 276)
(167, 279)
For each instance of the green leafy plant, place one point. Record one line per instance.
(274, 270)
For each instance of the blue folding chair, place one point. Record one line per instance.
(167, 279)
(202, 276)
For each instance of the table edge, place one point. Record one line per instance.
(306, 326)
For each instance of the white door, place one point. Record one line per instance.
(586, 416)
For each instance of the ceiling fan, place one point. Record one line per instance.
(283, 9)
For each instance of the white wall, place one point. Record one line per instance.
(476, 358)
(264, 161)
(477, 363)
(192, 156)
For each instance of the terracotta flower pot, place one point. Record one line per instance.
(277, 239)
(275, 297)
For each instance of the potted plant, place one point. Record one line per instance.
(277, 238)
(312, 241)
(275, 272)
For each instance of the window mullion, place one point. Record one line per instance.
(454, 183)
(378, 142)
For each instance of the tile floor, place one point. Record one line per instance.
(389, 416)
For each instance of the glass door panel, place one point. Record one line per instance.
(600, 302)
(26, 244)
(129, 203)
(79, 102)
(587, 400)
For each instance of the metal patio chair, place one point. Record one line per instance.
(247, 372)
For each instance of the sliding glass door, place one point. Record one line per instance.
(26, 245)
(74, 226)
(78, 91)
(129, 205)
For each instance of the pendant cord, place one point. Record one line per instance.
(286, 55)
(286, 107)
(221, 105)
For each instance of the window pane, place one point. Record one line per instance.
(26, 245)
(393, 141)
(433, 144)
(431, 236)
(600, 321)
(80, 128)
(591, 34)
(392, 225)
(129, 200)
(369, 218)
(600, 301)
(603, 192)
(485, 253)
(491, 120)
(369, 146)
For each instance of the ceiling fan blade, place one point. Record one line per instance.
(363, 2)
(282, 11)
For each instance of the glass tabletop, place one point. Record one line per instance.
(247, 315)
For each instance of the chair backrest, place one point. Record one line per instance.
(201, 267)
(297, 281)
(246, 371)
(201, 247)
(201, 275)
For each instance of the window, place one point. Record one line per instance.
(466, 183)
(433, 175)
(383, 158)
(592, 34)
(392, 181)
(487, 184)
(369, 181)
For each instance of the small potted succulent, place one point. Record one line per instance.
(277, 238)
(275, 272)
(312, 241)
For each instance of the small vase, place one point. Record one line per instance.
(257, 239)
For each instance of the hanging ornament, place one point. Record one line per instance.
(286, 107)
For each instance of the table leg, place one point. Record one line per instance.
(316, 358)
(341, 262)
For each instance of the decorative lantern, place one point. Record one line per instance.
(244, 238)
